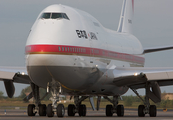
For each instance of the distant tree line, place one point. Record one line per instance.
(129, 100)
(1, 95)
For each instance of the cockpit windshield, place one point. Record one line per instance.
(54, 16)
(46, 15)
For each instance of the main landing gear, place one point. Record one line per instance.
(78, 107)
(60, 110)
(37, 107)
(147, 108)
(152, 92)
(32, 110)
(115, 108)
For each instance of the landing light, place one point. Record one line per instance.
(135, 74)
(23, 73)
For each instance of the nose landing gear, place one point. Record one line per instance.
(55, 89)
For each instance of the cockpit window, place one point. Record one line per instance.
(65, 16)
(46, 15)
(54, 16)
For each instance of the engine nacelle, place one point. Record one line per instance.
(10, 89)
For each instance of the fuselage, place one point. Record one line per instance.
(70, 46)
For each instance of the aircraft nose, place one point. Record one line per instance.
(40, 54)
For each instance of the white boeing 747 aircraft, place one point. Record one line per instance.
(68, 52)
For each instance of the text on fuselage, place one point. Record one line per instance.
(83, 34)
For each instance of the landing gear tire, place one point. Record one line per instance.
(120, 110)
(82, 110)
(60, 110)
(31, 110)
(153, 111)
(141, 111)
(42, 110)
(50, 112)
(71, 110)
(109, 111)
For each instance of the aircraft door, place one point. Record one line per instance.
(91, 51)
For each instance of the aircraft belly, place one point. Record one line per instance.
(71, 78)
(101, 89)
(75, 73)
(105, 86)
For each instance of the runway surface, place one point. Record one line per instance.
(130, 114)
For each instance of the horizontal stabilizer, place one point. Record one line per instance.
(149, 50)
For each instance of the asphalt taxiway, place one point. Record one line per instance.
(130, 114)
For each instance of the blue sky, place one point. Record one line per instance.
(152, 25)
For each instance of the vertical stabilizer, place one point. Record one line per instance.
(125, 23)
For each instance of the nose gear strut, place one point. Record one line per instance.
(54, 88)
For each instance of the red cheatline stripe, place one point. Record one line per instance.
(82, 51)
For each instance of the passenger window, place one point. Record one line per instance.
(59, 48)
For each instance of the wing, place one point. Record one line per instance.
(156, 49)
(149, 78)
(13, 74)
(135, 77)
